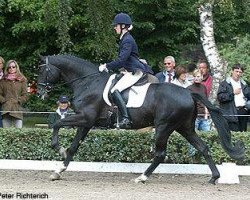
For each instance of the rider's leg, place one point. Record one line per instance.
(118, 100)
(125, 82)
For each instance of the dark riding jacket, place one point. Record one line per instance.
(128, 57)
(225, 96)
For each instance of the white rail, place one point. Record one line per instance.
(230, 172)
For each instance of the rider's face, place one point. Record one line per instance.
(118, 29)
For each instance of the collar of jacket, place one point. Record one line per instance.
(123, 34)
(228, 80)
(61, 113)
(165, 73)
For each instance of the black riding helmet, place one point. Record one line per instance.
(122, 18)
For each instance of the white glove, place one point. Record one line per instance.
(103, 67)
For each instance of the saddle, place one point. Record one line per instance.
(133, 96)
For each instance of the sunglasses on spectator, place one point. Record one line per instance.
(167, 63)
(13, 67)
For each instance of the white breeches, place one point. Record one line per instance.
(127, 80)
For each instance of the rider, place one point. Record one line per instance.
(129, 60)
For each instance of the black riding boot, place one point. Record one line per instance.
(118, 100)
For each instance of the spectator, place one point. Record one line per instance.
(190, 70)
(62, 111)
(1, 67)
(13, 93)
(233, 94)
(168, 73)
(1, 76)
(180, 77)
(201, 122)
(207, 78)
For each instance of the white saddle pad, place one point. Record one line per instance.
(136, 95)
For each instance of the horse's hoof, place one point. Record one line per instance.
(141, 179)
(55, 176)
(213, 180)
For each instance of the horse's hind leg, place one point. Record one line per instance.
(160, 152)
(200, 145)
(69, 153)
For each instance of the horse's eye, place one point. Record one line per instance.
(48, 87)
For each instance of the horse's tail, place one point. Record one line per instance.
(236, 151)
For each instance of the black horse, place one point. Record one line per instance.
(167, 107)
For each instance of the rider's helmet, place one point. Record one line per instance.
(122, 18)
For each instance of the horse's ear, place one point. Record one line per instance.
(41, 57)
(41, 60)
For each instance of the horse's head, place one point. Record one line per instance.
(48, 75)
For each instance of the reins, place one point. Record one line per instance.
(72, 81)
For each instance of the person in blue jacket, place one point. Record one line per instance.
(128, 59)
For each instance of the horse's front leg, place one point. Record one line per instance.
(55, 141)
(69, 153)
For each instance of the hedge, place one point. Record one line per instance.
(110, 146)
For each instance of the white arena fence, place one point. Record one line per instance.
(230, 172)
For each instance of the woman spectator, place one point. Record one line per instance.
(1, 76)
(63, 110)
(180, 77)
(13, 93)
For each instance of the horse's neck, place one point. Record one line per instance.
(74, 73)
(89, 84)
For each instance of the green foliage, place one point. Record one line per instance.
(162, 27)
(64, 12)
(102, 44)
(110, 146)
(238, 53)
(37, 27)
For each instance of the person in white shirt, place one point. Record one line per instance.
(233, 94)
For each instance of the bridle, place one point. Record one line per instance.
(46, 87)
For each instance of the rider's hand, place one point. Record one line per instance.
(103, 67)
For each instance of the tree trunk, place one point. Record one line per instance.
(217, 64)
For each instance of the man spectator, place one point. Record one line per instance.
(167, 75)
(233, 94)
(207, 78)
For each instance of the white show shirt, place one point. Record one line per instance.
(239, 99)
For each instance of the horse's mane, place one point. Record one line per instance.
(75, 59)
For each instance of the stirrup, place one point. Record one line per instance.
(125, 123)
